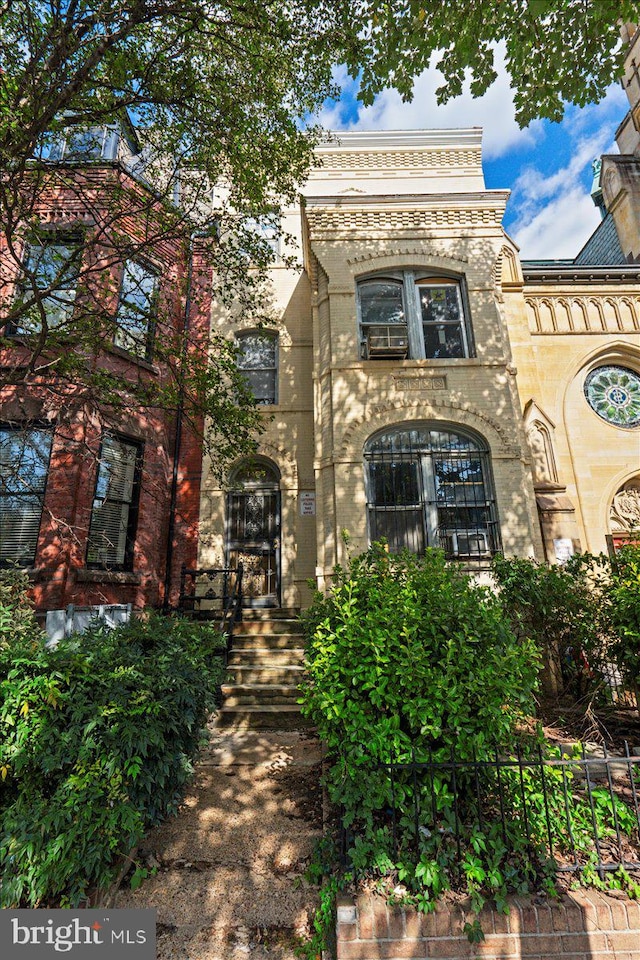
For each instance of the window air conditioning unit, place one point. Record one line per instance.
(468, 543)
(387, 341)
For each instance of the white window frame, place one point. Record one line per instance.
(273, 336)
(410, 282)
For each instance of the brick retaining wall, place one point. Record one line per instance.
(584, 925)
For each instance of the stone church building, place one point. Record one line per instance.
(422, 383)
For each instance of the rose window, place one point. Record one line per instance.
(614, 394)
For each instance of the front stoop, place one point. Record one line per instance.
(265, 666)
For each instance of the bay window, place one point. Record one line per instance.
(50, 279)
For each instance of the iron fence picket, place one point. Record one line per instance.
(557, 793)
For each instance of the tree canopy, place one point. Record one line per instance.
(556, 51)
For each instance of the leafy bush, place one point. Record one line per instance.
(410, 663)
(98, 735)
(406, 654)
(560, 609)
(622, 592)
(18, 624)
(583, 616)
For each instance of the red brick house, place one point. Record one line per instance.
(99, 470)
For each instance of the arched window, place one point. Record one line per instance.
(430, 487)
(258, 361)
(409, 315)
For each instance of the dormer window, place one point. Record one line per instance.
(79, 144)
(77, 140)
(409, 316)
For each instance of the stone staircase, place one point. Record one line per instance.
(263, 672)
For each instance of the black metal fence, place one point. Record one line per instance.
(571, 808)
(617, 693)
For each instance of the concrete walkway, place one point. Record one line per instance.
(229, 884)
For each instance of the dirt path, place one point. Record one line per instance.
(229, 884)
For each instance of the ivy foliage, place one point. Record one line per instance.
(97, 741)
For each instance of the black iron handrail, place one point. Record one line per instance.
(220, 601)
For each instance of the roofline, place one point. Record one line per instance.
(411, 139)
(566, 271)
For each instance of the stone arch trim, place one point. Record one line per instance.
(507, 269)
(613, 488)
(277, 454)
(383, 416)
(404, 257)
(283, 460)
(617, 352)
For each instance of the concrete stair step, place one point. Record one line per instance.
(285, 625)
(250, 641)
(266, 657)
(258, 694)
(288, 673)
(276, 717)
(270, 613)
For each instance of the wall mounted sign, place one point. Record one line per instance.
(307, 503)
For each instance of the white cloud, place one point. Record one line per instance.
(552, 214)
(560, 228)
(494, 112)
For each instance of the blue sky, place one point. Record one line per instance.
(547, 166)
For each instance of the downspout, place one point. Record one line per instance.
(178, 435)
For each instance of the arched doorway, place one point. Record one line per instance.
(253, 530)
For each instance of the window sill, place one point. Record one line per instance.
(108, 576)
(131, 357)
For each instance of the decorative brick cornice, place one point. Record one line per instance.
(428, 250)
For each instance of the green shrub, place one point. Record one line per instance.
(98, 735)
(583, 616)
(560, 608)
(408, 661)
(18, 624)
(622, 593)
(407, 654)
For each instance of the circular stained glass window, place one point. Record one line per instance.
(614, 394)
